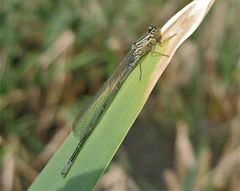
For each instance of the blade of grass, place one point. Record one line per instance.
(113, 127)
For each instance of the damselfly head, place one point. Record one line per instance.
(154, 30)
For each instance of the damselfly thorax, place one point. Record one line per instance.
(145, 44)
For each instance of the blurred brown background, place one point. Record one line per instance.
(55, 55)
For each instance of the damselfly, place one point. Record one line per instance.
(88, 117)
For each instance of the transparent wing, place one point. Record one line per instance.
(82, 124)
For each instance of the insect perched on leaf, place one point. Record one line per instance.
(89, 116)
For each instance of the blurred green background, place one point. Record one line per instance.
(55, 55)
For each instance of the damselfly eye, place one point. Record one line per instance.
(150, 29)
